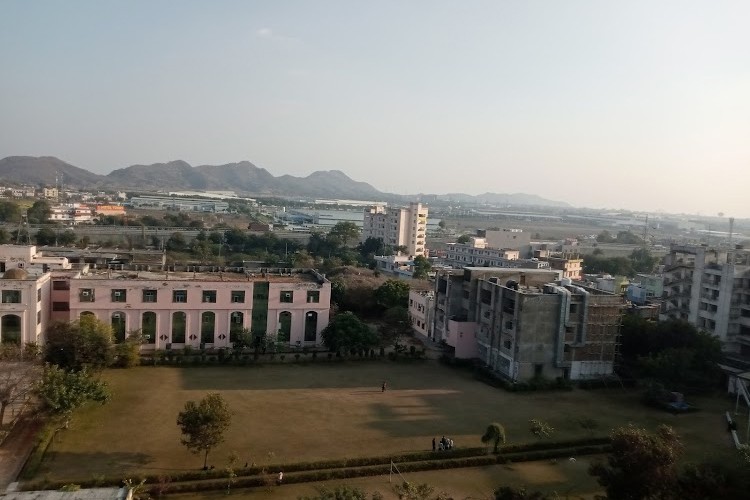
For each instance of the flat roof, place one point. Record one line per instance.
(105, 274)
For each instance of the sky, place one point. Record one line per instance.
(641, 105)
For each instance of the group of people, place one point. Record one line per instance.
(444, 444)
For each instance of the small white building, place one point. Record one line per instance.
(421, 312)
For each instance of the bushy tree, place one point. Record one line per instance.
(62, 392)
(642, 465)
(74, 345)
(393, 293)
(347, 332)
(422, 267)
(128, 352)
(203, 424)
(494, 434)
(344, 232)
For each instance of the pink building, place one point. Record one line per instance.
(178, 309)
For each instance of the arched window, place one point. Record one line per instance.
(285, 326)
(10, 329)
(148, 327)
(179, 325)
(236, 324)
(118, 326)
(208, 323)
(311, 326)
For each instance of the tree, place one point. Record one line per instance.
(641, 465)
(347, 332)
(45, 236)
(422, 267)
(344, 232)
(128, 352)
(642, 260)
(397, 323)
(393, 293)
(9, 212)
(203, 424)
(540, 429)
(441, 224)
(176, 242)
(463, 239)
(67, 237)
(494, 434)
(62, 392)
(39, 212)
(83, 343)
(17, 373)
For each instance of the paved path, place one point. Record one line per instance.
(16, 449)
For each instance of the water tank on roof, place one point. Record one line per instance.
(566, 281)
(512, 284)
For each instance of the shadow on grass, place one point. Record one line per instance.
(85, 466)
(354, 375)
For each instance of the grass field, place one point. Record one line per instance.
(295, 413)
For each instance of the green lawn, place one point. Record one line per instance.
(294, 413)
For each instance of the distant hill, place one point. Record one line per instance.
(43, 169)
(243, 177)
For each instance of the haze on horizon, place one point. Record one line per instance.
(641, 105)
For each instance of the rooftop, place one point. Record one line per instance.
(286, 276)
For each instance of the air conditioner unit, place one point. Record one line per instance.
(85, 293)
(118, 294)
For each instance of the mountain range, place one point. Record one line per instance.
(242, 177)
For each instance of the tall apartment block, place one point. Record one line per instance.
(398, 226)
(522, 323)
(710, 288)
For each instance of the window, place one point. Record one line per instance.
(179, 326)
(86, 295)
(209, 296)
(285, 326)
(119, 295)
(179, 296)
(311, 326)
(208, 321)
(573, 308)
(61, 306)
(61, 285)
(148, 327)
(236, 324)
(149, 295)
(538, 369)
(313, 297)
(39, 295)
(286, 296)
(238, 297)
(39, 317)
(118, 326)
(11, 296)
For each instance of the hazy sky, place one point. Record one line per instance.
(634, 104)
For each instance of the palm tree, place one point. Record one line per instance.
(495, 433)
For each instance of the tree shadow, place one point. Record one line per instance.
(80, 466)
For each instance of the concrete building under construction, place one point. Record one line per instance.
(525, 323)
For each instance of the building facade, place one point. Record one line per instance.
(710, 288)
(421, 312)
(171, 309)
(398, 226)
(525, 324)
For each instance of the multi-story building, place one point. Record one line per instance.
(710, 288)
(515, 239)
(524, 324)
(25, 290)
(571, 267)
(477, 253)
(170, 308)
(398, 226)
(454, 322)
(71, 213)
(176, 309)
(422, 311)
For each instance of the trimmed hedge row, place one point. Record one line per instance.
(327, 469)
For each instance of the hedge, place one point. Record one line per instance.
(356, 467)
